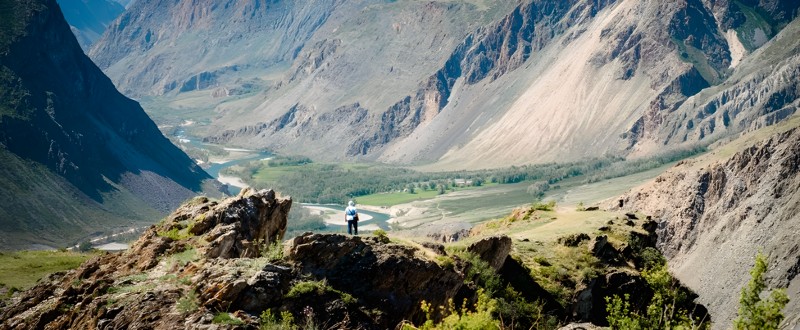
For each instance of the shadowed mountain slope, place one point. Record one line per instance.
(80, 155)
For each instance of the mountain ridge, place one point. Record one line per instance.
(543, 81)
(60, 111)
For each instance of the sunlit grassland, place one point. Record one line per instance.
(21, 269)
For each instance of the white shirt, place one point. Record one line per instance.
(349, 214)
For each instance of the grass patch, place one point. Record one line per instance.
(395, 198)
(181, 259)
(22, 269)
(226, 318)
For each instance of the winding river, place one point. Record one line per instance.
(372, 221)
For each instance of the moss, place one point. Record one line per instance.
(177, 234)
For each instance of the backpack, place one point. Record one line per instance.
(353, 212)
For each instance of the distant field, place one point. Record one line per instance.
(391, 199)
(23, 269)
(572, 192)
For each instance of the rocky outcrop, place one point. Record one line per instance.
(173, 264)
(374, 273)
(590, 304)
(493, 250)
(215, 257)
(713, 217)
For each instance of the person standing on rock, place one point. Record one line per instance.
(351, 217)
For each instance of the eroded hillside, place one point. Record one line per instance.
(452, 82)
(717, 212)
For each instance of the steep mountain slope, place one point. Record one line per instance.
(452, 82)
(89, 19)
(716, 212)
(80, 157)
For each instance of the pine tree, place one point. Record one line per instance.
(755, 313)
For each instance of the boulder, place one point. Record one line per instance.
(602, 249)
(435, 247)
(590, 302)
(388, 277)
(493, 250)
(574, 239)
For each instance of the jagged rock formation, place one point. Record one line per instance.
(400, 82)
(209, 257)
(78, 156)
(714, 216)
(196, 253)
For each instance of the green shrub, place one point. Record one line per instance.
(664, 310)
(188, 303)
(269, 321)
(540, 206)
(318, 288)
(382, 236)
(478, 318)
(272, 252)
(481, 273)
(755, 313)
(446, 262)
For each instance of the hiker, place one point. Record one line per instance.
(351, 217)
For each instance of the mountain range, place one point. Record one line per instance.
(448, 84)
(78, 156)
(88, 19)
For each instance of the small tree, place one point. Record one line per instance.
(85, 246)
(441, 189)
(755, 313)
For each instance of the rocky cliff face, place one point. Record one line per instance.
(59, 112)
(451, 83)
(715, 216)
